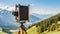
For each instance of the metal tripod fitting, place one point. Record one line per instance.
(23, 27)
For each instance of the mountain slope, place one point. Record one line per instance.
(45, 26)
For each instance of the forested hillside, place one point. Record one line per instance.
(45, 26)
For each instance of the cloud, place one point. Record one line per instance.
(6, 7)
(10, 8)
(32, 10)
(44, 11)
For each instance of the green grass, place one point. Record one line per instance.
(32, 30)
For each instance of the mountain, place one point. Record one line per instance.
(42, 16)
(7, 20)
(34, 18)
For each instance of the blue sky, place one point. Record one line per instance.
(36, 6)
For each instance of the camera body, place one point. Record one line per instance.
(21, 13)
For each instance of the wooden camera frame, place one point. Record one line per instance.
(18, 6)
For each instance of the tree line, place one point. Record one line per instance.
(49, 24)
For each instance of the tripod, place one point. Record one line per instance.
(22, 30)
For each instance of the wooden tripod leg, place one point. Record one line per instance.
(22, 31)
(19, 31)
(25, 32)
